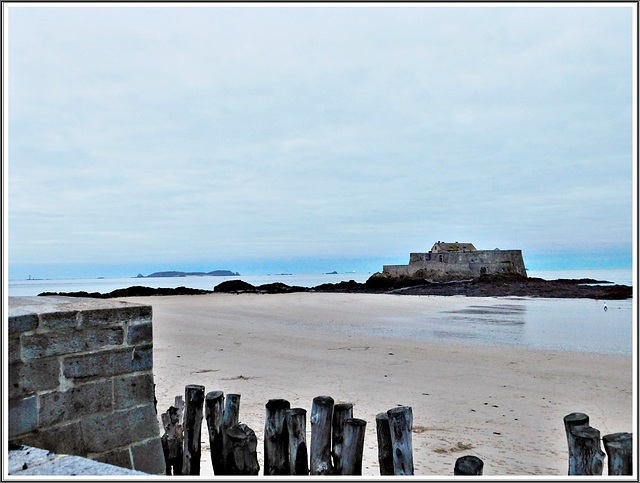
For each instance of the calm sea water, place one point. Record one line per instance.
(563, 324)
(621, 276)
(104, 285)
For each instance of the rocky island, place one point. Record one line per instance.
(214, 273)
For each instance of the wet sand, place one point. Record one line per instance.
(504, 405)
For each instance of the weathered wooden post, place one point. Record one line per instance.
(296, 421)
(194, 399)
(400, 426)
(385, 452)
(172, 439)
(587, 458)
(242, 457)
(321, 411)
(619, 449)
(341, 412)
(230, 417)
(570, 421)
(276, 438)
(213, 411)
(353, 447)
(231, 413)
(468, 465)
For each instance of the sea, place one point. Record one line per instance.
(559, 324)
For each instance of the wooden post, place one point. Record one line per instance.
(230, 417)
(385, 453)
(468, 465)
(276, 438)
(587, 456)
(321, 412)
(172, 439)
(242, 457)
(231, 414)
(194, 399)
(213, 411)
(619, 449)
(353, 446)
(341, 412)
(296, 420)
(400, 425)
(570, 421)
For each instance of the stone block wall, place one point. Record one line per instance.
(396, 271)
(81, 380)
(459, 265)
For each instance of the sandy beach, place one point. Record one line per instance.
(502, 404)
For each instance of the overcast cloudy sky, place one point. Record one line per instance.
(260, 137)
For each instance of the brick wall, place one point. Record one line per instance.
(81, 380)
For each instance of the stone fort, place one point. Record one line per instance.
(458, 261)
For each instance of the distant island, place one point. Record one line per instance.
(214, 273)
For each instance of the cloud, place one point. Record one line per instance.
(174, 131)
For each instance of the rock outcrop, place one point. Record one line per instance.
(507, 285)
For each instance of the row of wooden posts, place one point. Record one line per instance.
(337, 440)
(585, 453)
(336, 445)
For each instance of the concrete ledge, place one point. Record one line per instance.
(27, 461)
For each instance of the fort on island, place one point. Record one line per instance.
(458, 261)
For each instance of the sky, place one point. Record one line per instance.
(305, 138)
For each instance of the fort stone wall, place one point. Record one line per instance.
(396, 271)
(81, 381)
(459, 265)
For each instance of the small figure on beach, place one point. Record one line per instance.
(605, 306)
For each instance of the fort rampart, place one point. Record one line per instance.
(81, 380)
(459, 265)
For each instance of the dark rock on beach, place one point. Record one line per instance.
(484, 286)
(234, 286)
(350, 286)
(503, 286)
(139, 291)
(238, 286)
(136, 291)
(279, 287)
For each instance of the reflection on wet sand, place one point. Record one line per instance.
(489, 310)
(478, 323)
(562, 324)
